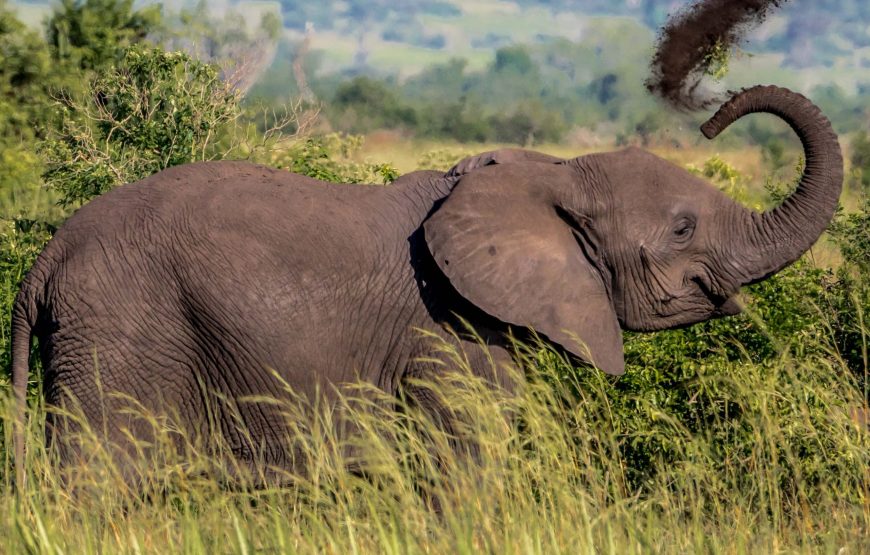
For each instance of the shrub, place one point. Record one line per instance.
(458, 121)
(329, 158)
(155, 110)
(93, 34)
(21, 241)
(729, 179)
(442, 158)
(860, 159)
(848, 298)
(707, 390)
(364, 104)
(528, 124)
(514, 59)
(24, 71)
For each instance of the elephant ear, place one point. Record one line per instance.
(501, 242)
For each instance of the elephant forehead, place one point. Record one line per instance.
(664, 195)
(638, 176)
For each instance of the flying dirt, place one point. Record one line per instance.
(690, 41)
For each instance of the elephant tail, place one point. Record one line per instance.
(24, 315)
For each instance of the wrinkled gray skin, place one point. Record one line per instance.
(202, 279)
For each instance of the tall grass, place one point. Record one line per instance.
(534, 470)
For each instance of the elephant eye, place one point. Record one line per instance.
(684, 230)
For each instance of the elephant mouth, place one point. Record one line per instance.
(724, 302)
(693, 307)
(677, 315)
(731, 307)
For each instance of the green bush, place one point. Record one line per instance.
(528, 124)
(442, 158)
(21, 241)
(709, 394)
(154, 110)
(848, 298)
(329, 158)
(515, 59)
(860, 159)
(364, 104)
(24, 73)
(456, 120)
(685, 377)
(93, 34)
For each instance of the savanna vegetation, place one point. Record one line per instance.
(742, 435)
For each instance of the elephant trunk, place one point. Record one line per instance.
(770, 241)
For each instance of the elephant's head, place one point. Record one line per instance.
(578, 249)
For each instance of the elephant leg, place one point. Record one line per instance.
(117, 403)
(421, 391)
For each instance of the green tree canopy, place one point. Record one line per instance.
(156, 109)
(90, 34)
(24, 65)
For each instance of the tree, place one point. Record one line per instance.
(24, 66)
(24, 111)
(156, 109)
(90, 34)
(860, 159)
(363, 104)
(242, 53)
(514, 59)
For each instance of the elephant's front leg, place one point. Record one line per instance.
(445, 391)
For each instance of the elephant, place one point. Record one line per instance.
(230, 278)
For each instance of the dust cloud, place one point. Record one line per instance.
(689, 42)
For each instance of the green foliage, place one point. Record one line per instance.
(24, 69)
(528, 124)
(725, 176)
(860, 159)
(329, 158)
(154, 110)
(24, 102)
(846, 112)
(364, 104)
(528, 94)
(849, 301)
(852, 234)
(716, 62)
(773, 154)
(589, 81)
(21, 241)
(21, 190)
(442, 158)
(459, 120)
(93, 34)
(24, 109)
(514, 59)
